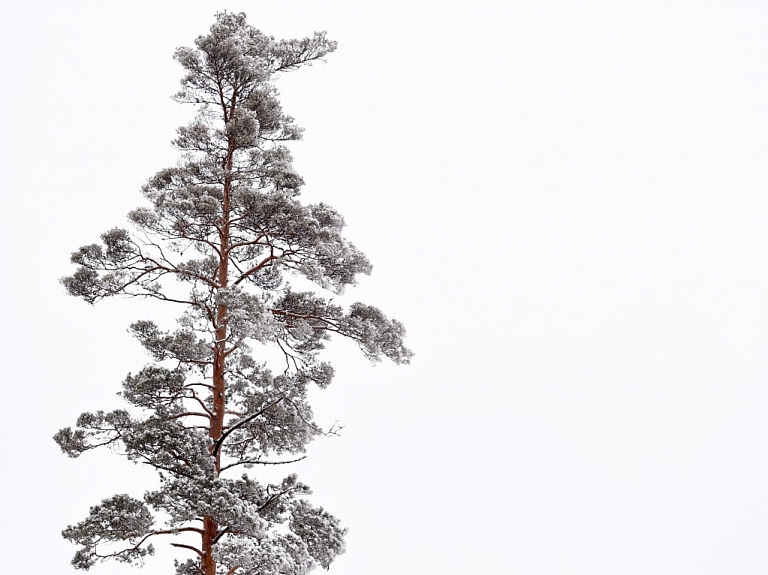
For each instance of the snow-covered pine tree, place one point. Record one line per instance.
(226, 223)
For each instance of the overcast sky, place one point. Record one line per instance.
(564, 202)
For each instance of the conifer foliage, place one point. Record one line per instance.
(220, 232)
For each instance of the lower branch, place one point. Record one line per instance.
(261, 462)
(181, 545)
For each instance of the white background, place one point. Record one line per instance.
(564, 201)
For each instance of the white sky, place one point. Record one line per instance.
(564, 201)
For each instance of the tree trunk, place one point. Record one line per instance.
(216, 429)
(208, 565)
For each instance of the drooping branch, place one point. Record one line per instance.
(190, 547)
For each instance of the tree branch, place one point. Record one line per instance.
(261, 462)
(188, 414)
(239, 424)
(256, 268)
(195, 549)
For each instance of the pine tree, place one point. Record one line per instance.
(218, 235)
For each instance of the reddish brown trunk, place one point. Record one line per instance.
(210, 528)
(219, 389)
(208, 565)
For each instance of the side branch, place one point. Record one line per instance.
(239, 424)
(245, 275)
(189, 414)
(195, 549)
(262, 462)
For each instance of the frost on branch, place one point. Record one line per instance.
(319, 530)
(94, 430)
(314, 538)
(118, 519)
(183, 345)
(376, 334)
(155, 387)
(308, 320)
